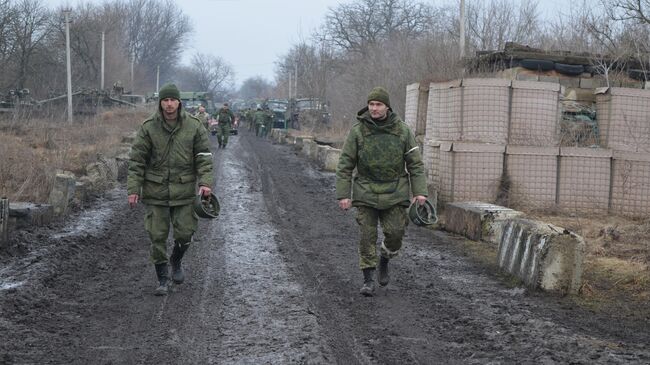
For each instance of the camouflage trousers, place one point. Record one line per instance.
(157, 221)
(393, 224)
(223, 132)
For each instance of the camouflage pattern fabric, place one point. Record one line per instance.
(223, 132)
(388, 162)
(203, 117)
(157, 221)
(393, 224)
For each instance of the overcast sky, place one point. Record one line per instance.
(252, 34)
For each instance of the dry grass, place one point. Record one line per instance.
(33, 150)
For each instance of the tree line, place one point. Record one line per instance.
(146, 34)
(361, 43)
(364, 43)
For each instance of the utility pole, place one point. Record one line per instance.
(157, 78)
(66, 12)
(101, 85)
(462, 29)
(295, 89)
(289, 85)
(132, 62)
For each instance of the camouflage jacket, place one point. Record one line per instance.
(259, 117)
(386, 156)
(165, 163)
(203, 118)
(225, 116)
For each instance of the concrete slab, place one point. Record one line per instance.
(543, 256)
(62, 192)
(25, 214)
(332, 159)
(477, 220)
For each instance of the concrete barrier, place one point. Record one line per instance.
(62, 192)
(311, 149)
(306, 146)
(542, 255)
(322, 153)
(25, 214)
(478, 221)
(331, 159)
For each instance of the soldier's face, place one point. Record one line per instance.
(377, 109)
(169, 105)
(201, 109)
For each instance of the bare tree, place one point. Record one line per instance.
(491, 24)
(355, 26)
(154, 33)
(212, 73)
(29, 27)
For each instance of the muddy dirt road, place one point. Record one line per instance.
(274, 280)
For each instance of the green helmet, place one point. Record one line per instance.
(207, 206)
(423, 215)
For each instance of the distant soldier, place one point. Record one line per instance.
(250, 115)
(389, 166)
(203, 117)
(169, 158)
(258, 119)
(225, 119)
(268, 121)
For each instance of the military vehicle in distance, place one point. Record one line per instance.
(192, 99)
(307, 112)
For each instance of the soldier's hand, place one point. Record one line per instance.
(204, 190)
(420, 199)
(133, 200)
(345, 204)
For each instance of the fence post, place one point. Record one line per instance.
(4, 221)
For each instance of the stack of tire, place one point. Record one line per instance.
(546, 65)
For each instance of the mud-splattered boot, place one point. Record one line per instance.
(368, 288)
(178, 276)
(163, 277)
(383, 277)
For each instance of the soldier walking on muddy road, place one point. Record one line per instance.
(225, 119)
(169, 157)
(383, 150)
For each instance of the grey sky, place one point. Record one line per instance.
(252, 34)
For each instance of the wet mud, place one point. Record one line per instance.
(275, 280)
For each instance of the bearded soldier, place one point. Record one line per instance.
(382, 148)
(169, 158)
(225, 119)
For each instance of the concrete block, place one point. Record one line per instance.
(25, 214)
(478, 221)
(527, 77)
(544, 78)
(543, 256)
(332, 159)
(62, 192)
(306, 146)
(313, 151)
(322, 154)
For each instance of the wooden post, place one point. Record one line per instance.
(4, 221)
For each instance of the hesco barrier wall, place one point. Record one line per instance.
(624, 118)
(485, 137)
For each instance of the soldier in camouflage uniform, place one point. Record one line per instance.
(225, 119)
(259, 117)
(383, 150)
(202, 116)
(169, 157)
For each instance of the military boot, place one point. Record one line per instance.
(368, 288)
(178, 276)
(383, 277)
(163, 277)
